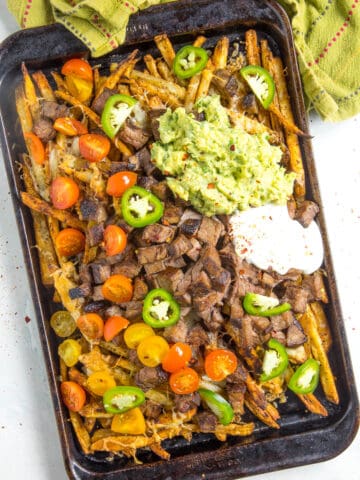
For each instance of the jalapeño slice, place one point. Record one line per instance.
(122, 399)
(262, 306)
(160, 309)
(261, 83)
(218, 405)
(306, 377)
(140, 207)
(275, 360)
(189, 61)
(117, 109)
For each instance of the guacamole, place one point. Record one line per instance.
(217, 167)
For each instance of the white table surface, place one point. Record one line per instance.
(29, 442)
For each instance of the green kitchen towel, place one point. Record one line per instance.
(326, 33)
(100, 24)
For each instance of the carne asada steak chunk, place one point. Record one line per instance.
(129, 268)
(172, 214)
(154, 114)
(150, 377)
(184, 403)
(295, 335)
(83, 290)
(44, 129)
(54, 110)
(306, 212)
(152, 254)
(314, 284)
(169, 279)
(297, 297)
(206, 421)
(157, 233)
(99, 103)
(95, 234)
(151, 410)
(92, 210)
(210, 230)
(133, 135)
(142, 159)
(155, 267)
(178, 332)
(100, 272)
(162, 191)
(140, 289)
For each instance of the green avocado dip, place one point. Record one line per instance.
(217, 167)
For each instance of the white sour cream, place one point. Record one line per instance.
(268, 238)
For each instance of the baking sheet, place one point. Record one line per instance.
(303, 438)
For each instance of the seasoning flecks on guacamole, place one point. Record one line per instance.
(217, 167)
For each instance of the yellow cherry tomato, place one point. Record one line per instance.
(137, 332)
(69, 350)
(79, 88)
(152, 350)
(100, 382)
(63, 323)
(131, 422)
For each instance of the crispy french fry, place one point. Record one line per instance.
(113, 79)
(81, 433)
(161, 93)
(220, 54)
(164, 71)
(41, 206)
(151, 65)
(327, 379)
(60, 83)
(266, 58)
(292, 140)
(166, 49)
(76, 103)
(63, 370)
(264, 415)
(63, 282)
(44, 86)
(322, 325)
(23, 110)
(205, 81)
(234, 429)
(89, 424)
(152, 81)
(96, 74)
(159, 451)
(199, 41)
(30, 94)
(123, 89)
(191, 90)
(124, 149)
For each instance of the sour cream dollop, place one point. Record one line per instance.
(268, 238)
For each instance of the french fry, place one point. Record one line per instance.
(81, 433)
(30, 94)
(60, 83)
(253, 58)
(265, 416)
(159, 451)
(151, 65)
(266, 58)
(327, 379)
(76, 103)
(164, 71)
(151, 81)
(89, 424)
(199, 41)
(322, 325)
(41, 206)
(292, 140)
(162, 93)
(124, 149)
(23, 110)
(205, 81)
(220, 54)
(63, 370)
(234, 429)
(43, 86)
(63, 282)
(166, 49)
(191, 90)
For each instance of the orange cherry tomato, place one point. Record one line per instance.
(115, 240)
(118, 289)
(91, 325)
(94, 147)
(73, 395)
(69, 126)
(177, 357)
(113, 326)
(184, 381)
(220, 363)
(79, 68)
(119, 182)
(70, 242)
(35, 147)
(64, 192)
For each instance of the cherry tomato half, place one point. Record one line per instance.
(118, 289)
(91, 325)
(78, 67)
(152, 350)
(115, 240)
(184, 381)
(64, 192)
(113, 326)
(136, 332)
(119, 182)
(219, 364)
(63, 323)
(177, 357)
(69, 350)
(73, 395)
(69, 242)
(131, 422)
(35, 147)
(94, 147)
(69, 126)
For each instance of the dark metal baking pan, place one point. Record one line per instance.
(303, 438)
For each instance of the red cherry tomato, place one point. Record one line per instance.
(177, 357)
(64, 192)
(219, 364)
(115, 240)
(113, 326)
(79, 68)
(94, 147)
(73, 395)
(184, 381)
(119, 182)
